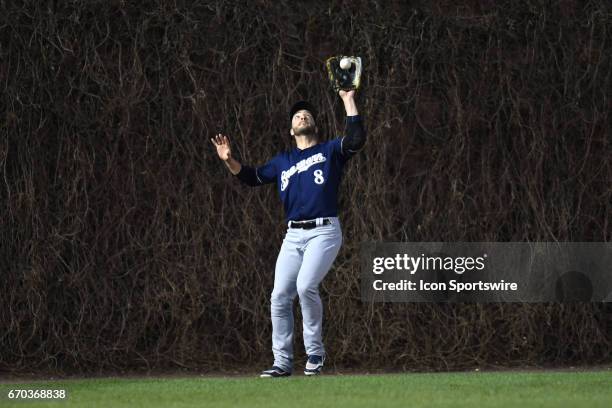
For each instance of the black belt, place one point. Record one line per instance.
(308, 224)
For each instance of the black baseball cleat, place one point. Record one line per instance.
(314, 365)
(274, 372)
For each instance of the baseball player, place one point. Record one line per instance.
(307, 178)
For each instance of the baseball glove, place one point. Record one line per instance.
(345, 79)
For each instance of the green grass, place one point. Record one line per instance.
(476, 389)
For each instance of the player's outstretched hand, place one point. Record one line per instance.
(222, 144)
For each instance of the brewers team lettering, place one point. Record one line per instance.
(299, 167)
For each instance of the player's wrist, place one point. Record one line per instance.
(347, 98)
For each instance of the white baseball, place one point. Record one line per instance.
(345, 63)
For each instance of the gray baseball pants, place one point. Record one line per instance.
(305, 258)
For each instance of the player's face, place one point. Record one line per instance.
(303, 123)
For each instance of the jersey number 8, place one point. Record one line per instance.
(318, 176)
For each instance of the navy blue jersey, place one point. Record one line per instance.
(307, 180)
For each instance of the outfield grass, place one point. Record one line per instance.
(477, 389)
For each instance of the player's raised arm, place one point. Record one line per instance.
(248, 175)
(355, 133)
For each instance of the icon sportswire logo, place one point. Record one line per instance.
(299, 167)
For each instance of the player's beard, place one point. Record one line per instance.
(304, 130)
